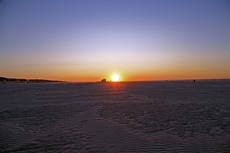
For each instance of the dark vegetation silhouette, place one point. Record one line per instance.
(25, 80)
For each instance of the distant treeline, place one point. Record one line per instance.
(25, 80)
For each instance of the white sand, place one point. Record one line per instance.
(174, 116)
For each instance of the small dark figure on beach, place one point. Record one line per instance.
(194, 80)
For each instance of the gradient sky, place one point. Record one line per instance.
(87, 40)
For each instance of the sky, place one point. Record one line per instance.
(88, 40)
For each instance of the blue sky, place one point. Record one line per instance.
(141, 40)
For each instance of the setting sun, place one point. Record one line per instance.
(115, 77)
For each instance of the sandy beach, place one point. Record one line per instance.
(157, 116)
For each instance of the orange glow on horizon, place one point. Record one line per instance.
(145, 74)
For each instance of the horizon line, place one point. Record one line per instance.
(119, 81)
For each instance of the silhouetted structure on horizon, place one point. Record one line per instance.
(103, 80)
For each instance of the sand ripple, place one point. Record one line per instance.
(131, 117)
